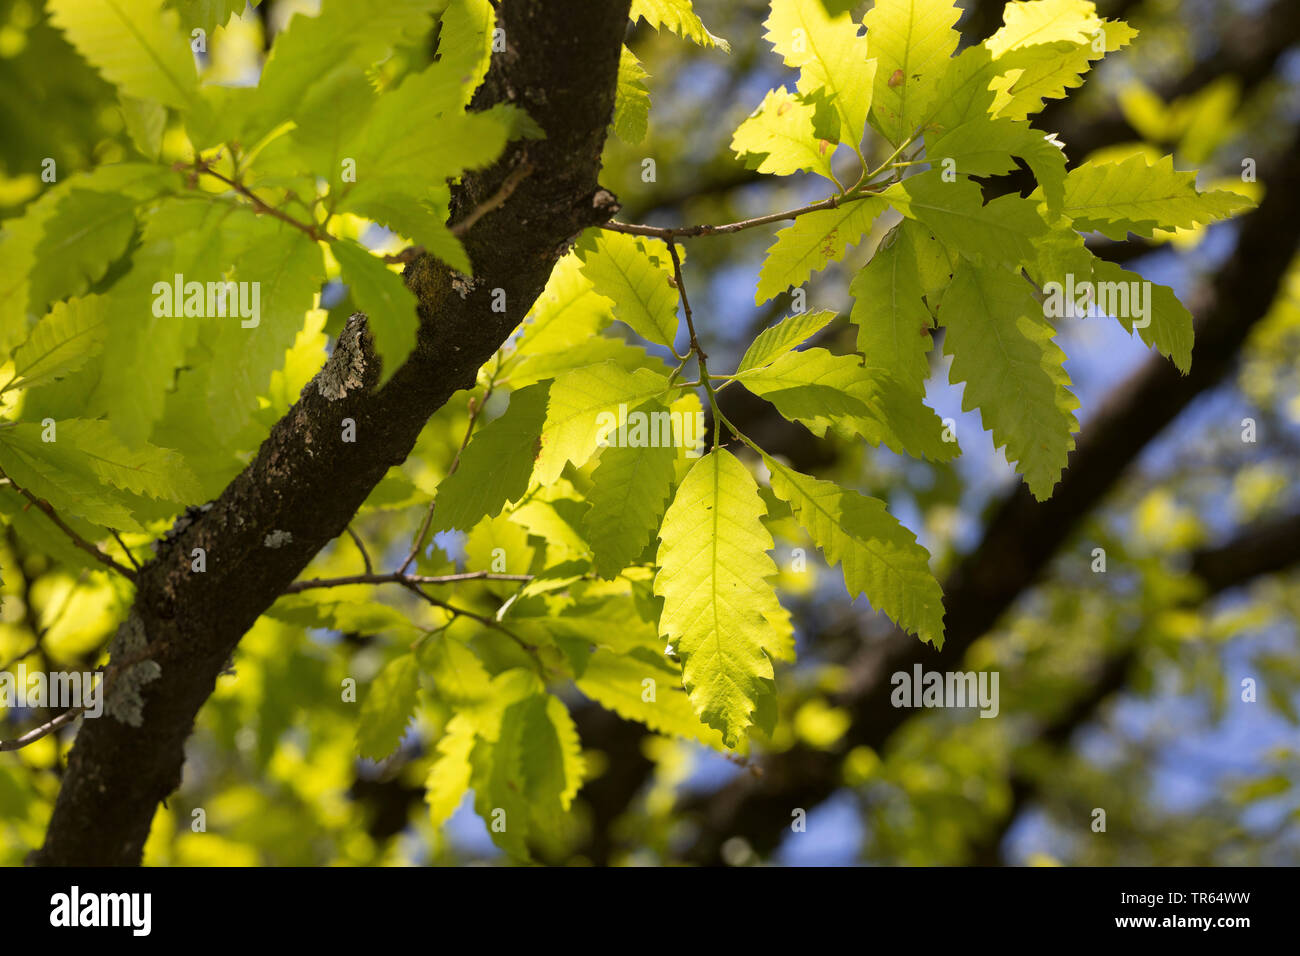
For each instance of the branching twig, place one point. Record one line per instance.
(45, 507)
(201, 165)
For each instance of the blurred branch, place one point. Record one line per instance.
(1262, 549)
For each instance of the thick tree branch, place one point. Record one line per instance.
(305, 484)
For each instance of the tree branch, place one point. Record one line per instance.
(560, 66)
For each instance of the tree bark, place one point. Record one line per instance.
(305, 484)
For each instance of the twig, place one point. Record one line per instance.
(473, 616)
(696, 348)
(669, 232)
(261, 205)
(77, 539)
(397, 577)
(129, 556)
(365, 555)
(109, 670)
(44, 730)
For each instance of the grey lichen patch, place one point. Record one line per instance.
(123, 700)
(277, 539)
(346, 368)
(462, 284)
(605, 203)
(182, 523)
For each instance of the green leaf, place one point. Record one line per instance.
(323, 608)
(985, 147)
(1044, 48)
(289, 271)
(209, 14)
(815, 239)
(713, 571)
(1027, 22)
(1042, 71)
(880, 557)
(465, 42)
(780, 137)
(912, 41)
(416, 137)
(893, 321)
(147, 342)
(137, 45)
(388, 708)
(618, 683)
(87, 232)
(772, 343)
(71, 471)
(573, 412)
(61, 479)
(495, 467)
(630, 488)
(963, 92)
(640, 290)
(1135, 196)
(142, 469)
(1003, 232)
(359, 32)
(679, 17)
(822, 390)
(1167, 327)
(631, 100)
(146, 121)
(832, 59)
(1002, 348)
(450, 774)
(382, 295)
(421, 222)
(569, 312)
(60, 343)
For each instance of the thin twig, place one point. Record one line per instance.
(365, 555)
(669, 232)
(45, 507)
(262, 206)
(110, 672)
(696, 348)
(129, 556)
(397, 577)
(473, 616)
(44, 730)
